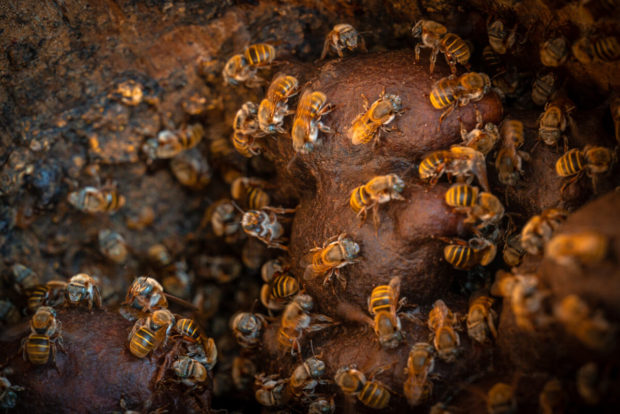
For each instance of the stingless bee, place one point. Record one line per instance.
(44, 336)
(591, 328)
(501, 399)
(382, 304)
(307, 123)
(483, 207)
(513, 252)
(451, 92)
(371, 393)
(543, 88)
(270, 391)
(189, 371)
(242, 68)
(593, 161)
(306, 377)
(552, 124)
(368, 125)
(225, 220)
(94, 200)
(264, 225)
(297, 320)
(539, 229)
(24, 278)
(526, 299)
(171, 143)
(274, 107)
(462, 162)
(112, 245)
(442, 322)
(146, 294)
(342, 37)
(509, 161)
(278, 288)
(430, 34)
(481, 319)
(581, 248)
(554, 52)
(83, 288)
(260, 54)
(463, 255)
(248, 328)
(499, 38)
(337, 252)
(420, 364)
(379, 190)
(250, 192)
(188, 329)
(602, 49)
(44, 322)
(481, 139)
(246, 130)
(191, 169)
(147, 335)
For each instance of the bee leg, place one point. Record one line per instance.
(375, 216)
(417, 52)
(434, 54)
(491, 323)
(53, 351)
(445, 114)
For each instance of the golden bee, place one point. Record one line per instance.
(225, 220)
(481, 319)
(306, 377)
(191, 169)
(382, 304)
(248, 328)
(462, 162)
(311, 108)
(250, 192)
(274, 107)
(442, 322)
(539, 229)
(277, 289)
(463, 255)
(590, 383)
(554, 52)
(189, 371)
(591, 328)
(501, 399)
(83, 289)
(381, 189)
(243, 371)
(455, 51)
(146, 294)
(245, 121)
(171, 143)
(371, 393)
(337, 252)
(44, 322)
(551, 398)
(188, 329)
(112, 245)
(94, 200)
(483, 207)
(593, 161)
(297, 320)
(481, 139)
(260, 54)
(430, 34)
(242, 68)
(264, 225)
(581, 248)
(37, 348)
(602, 49)
(368, 125)
(543, 88)
(500, 39)
(420, 364)
(451, 92)
(527, 301)
(552, 124)
(270, 391)
(147, 335)
(509, 161)
(342, 37)
(513, 252)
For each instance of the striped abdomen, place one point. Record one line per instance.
(430, 164)
(461, 195)
(442, 94)
(191, 136)
(283, 88)
(38, 349)
(188, 327)
(455, 48)
(374, 395)
(242, 144)
(319, 264)
(512, 131)
(260, 54)
(492, 60)
(256, 198)
(570, 163)
(37, 297)
(359, 199)
(317, 102)
(142, 342)
(459, 256)
(606, 49)
(381, 299)
(284, 285)
(364, 129)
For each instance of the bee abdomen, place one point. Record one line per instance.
(461, 195)
(570, 163)
(458, 256)
(456, 47)
(380, 299)
(359, 199)
(607, 49)
(374, 395)
(441, 96)
(257, 198)
(38, 349)
(260, 54)
(36, 297)
(428, 166)
(142, 342)
(284, 286)
(188, 327)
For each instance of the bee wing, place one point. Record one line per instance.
(309, 272)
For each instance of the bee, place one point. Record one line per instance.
(38, 347)
(483, 207)
(248, 328)
(583, 248)
(480, 139)
(274, 107)
(83, 288)
(306, 377)
(322, 405)
(513, 252)
(591, 328)
(501, 40)
(246, 145)
(543, 88)
(420, 365)
(451, 92)
(277, 289)
(270, 391)
(481, 319)
(501, 399)
(590, 384)
(455, 51)
(592, 161)
(159, 255)
(430, 34)
(147, 335)
(147, 294)
(97, 200)
(52, 293)
(343, 36)
(371, 393)
(335, 254)
(191, 169)
(463, 255)
(243, 371)
(8, 312)
(24, 278)
(311, 108)
(260, 54)
(297, 320)
(539, 229)
(44, 322)
(245, 121)
(270, 267)
(264, 225)
(442, 322)
(225, 220)
(382, 304)
(604, 49)
(552, 124)
(189, 371)
(249, 191)
(8, 396)
(458, 161)
(551, 398)
(188, 329)
(509, 159)
(112, 245)
(554, 52)
(526, 298)
(368, 125)
(379, 190)
(237, 70)
(171, 143)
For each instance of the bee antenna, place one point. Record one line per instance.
(237, 207)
